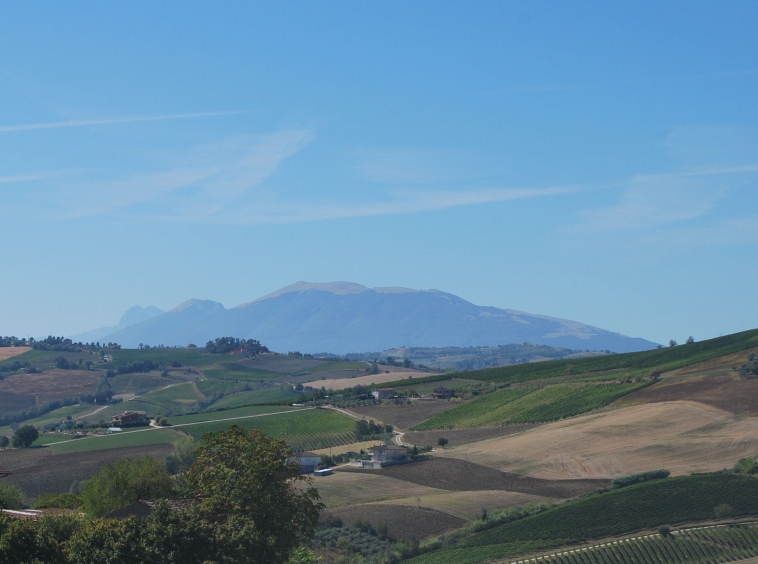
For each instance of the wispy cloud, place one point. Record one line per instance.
(31, 176)
(112, 121)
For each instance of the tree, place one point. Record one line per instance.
(4, 441)
(24, 436)
(690, 340)
(664, 530)
(254, 486)
(182, 458)
(11, 497)
(672, 343)
(123, 482)
(723, 511)
(442, 441)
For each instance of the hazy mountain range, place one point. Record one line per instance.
(342, 317)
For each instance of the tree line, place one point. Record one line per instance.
(224, 345)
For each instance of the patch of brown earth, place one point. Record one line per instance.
(53, 384)
(403, 522)
(403, 416)
(457, 437)
(10, 352)
(461, 475)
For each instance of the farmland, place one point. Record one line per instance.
(683, 437)
(621, 511)
(695, 545)
(529, 405)
(53, 384)
(10, 352)
(403, 416)
(403, 521)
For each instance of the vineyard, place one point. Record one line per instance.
(302, 430)
(529, 405)
(700, 545)
(614, 513)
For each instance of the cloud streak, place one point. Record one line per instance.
(113, 121)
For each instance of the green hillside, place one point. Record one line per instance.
(529, 405)
(625, 510)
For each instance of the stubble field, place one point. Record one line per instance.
(10, 352)
(52, 384)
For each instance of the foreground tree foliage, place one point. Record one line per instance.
(254, 507)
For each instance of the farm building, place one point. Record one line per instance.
(112, 430)
(308, 461)
(442, 393)
(383, 393)
(383, 455)
(130, 418)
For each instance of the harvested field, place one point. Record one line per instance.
(315, 380)
(53, 384)
(351, 447)
(10, 352)
(461, 475)
(349, 488)
(381, 378)
(468, 505)
(40, 471)
(683, 437)
(403, 522)
(724, 391)
(403, 416)
(459, 437)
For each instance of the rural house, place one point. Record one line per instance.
(130, 419)
(383, 393)
(383, 455)
(442, 393)
(308, 461)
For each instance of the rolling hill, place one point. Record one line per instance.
(342, 317)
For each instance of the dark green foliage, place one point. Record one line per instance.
(182, 458)
(624, 481)
(361, 539)
(4, 441)
(123, 482)
(366, 429)
(442, 441)
(58, 501)
(224, 345)
(11, 497)
(24, 436)
(746, 466)
(664, 530)
(749, 370)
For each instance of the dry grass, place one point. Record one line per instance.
(349, 488)
(10, 352)
(53, 384)
(682, 437)
(381, 378)
(468, 505)
(457, 437)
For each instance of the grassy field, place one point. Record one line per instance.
(302, 430)
(139, 383)
(142, 438)
(693, 545)
(429, 387)
(529, 405)
(54, 416)
(177, 398)
(265, 395)
(185, 357)
(237, 373)
(638, 507)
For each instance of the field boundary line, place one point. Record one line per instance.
(184, 425)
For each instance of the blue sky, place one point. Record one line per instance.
(582, 160)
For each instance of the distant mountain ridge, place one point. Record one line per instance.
(342, 317)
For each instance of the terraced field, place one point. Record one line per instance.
(529, 405)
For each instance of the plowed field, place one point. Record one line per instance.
(53, 384)
(457, 437)
(683, 437)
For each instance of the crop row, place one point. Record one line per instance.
(529, 405)
(614, 513)
(693, 546)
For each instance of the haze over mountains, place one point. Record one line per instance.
(343, 317)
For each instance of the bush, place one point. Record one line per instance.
(723, 511)
(58, 501)
(11, 497)
(745, 466)
(624, 481)
(664, 530)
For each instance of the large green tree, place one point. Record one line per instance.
(255, 491)
(123, 482)
(25, 435)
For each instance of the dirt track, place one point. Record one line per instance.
(403, 522)
(460, 475)
(682, 437)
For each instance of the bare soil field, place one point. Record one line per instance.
(457, 437)
(683, 437)
(724, 391)
(461, 475)
(350, 488)
(10, 352)
(468, 505)
(15, 402)
(321, 378)
(403, 522)
(403, 416)
(39, 471)
(386, 374)
(53, 384)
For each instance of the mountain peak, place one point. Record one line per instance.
(201, 305)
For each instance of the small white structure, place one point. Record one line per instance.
(383, 393)
(323, 472)
(112, 430)
(381, 456)
(308, 461)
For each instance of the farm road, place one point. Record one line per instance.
(184, 425)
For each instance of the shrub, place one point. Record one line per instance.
(58, 501)
(723, 511)
(745, 466)
(624, 481)
(664, 530)
(11, 497)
